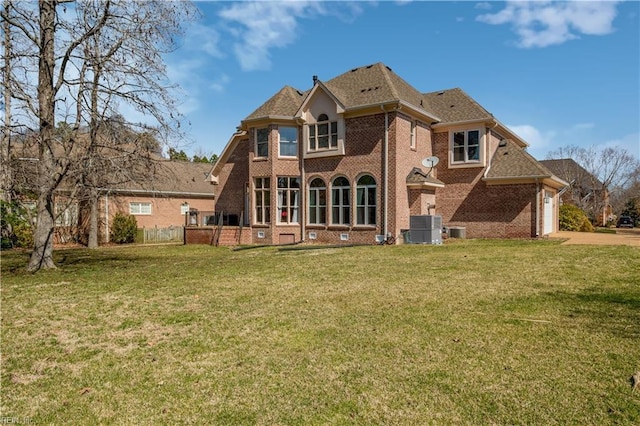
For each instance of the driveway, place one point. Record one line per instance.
(623, 236)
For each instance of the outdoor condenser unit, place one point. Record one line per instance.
(425, 229)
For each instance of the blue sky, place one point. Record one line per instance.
(556, 73)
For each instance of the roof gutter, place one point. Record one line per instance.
(155, 192)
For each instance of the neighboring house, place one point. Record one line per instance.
(344, 162)
(175, 189)
(584, 190)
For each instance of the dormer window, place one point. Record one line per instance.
(323, 135)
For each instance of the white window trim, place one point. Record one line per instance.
(328, 152)
(140, 211)
(266, 219)
(289, 208)
(482, 140)
(317, 207)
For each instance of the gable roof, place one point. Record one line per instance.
(511, 162)
(360, 87)
(569, 170)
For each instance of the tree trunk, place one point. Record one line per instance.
(93, 221)
(42, 255)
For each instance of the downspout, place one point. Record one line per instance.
(106, 215)
(385, 173)
(537, 207)
(303, 194)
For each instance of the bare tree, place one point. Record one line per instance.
(600, 176)
(93, 57)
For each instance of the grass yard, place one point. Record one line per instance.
(470, 332)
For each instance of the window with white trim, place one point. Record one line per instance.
(317, 202)
(366, 201)
(262, 142)
(139, 208)
(288, 141)
(323, 135)
(466, 146)
(288, 199)
(262, 200)
(340, 201)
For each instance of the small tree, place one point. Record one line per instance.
(124, 228)
(632, 209)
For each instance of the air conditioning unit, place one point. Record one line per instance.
(425, 229)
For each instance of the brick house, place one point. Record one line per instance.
(345, 162)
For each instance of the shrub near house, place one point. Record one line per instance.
(124, 229)
(572, 218)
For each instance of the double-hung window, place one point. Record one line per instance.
(366, 201)
(466, 146)
(262, 142)
(140, 208)
(340, 201)
(67, 214)
(317, 202)
(288, 141)
(262, 200)
(323, 135)
(288, 199)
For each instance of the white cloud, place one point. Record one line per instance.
(583, 126)
(546, 23)
(539, 142)
(276, 27)
(220, 83)
(483, 5)
(205, 39)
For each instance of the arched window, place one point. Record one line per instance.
(317, 202)
(323, 135)
(366, 201)
(340, 201)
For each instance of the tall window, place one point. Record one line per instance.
(323, 134)
(288, 199)
(317, 202)
(340, 201)
(262, 200)
(288, 137)
(366, 201)
(412, 142)
(262, 142)
(466, 146)
(140, 208)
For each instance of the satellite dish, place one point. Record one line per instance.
(430, 162)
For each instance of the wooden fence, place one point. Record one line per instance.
(163, 235)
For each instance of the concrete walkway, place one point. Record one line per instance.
(623, 236)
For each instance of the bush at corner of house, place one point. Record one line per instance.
(124, 228)
(572, 218)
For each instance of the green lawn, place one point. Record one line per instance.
(469, 332)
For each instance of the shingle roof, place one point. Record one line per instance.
(284, 103)
(378, 84)
(177, 177)
(454, 105)
(569, 170)
(417, 176)
(511, 161)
